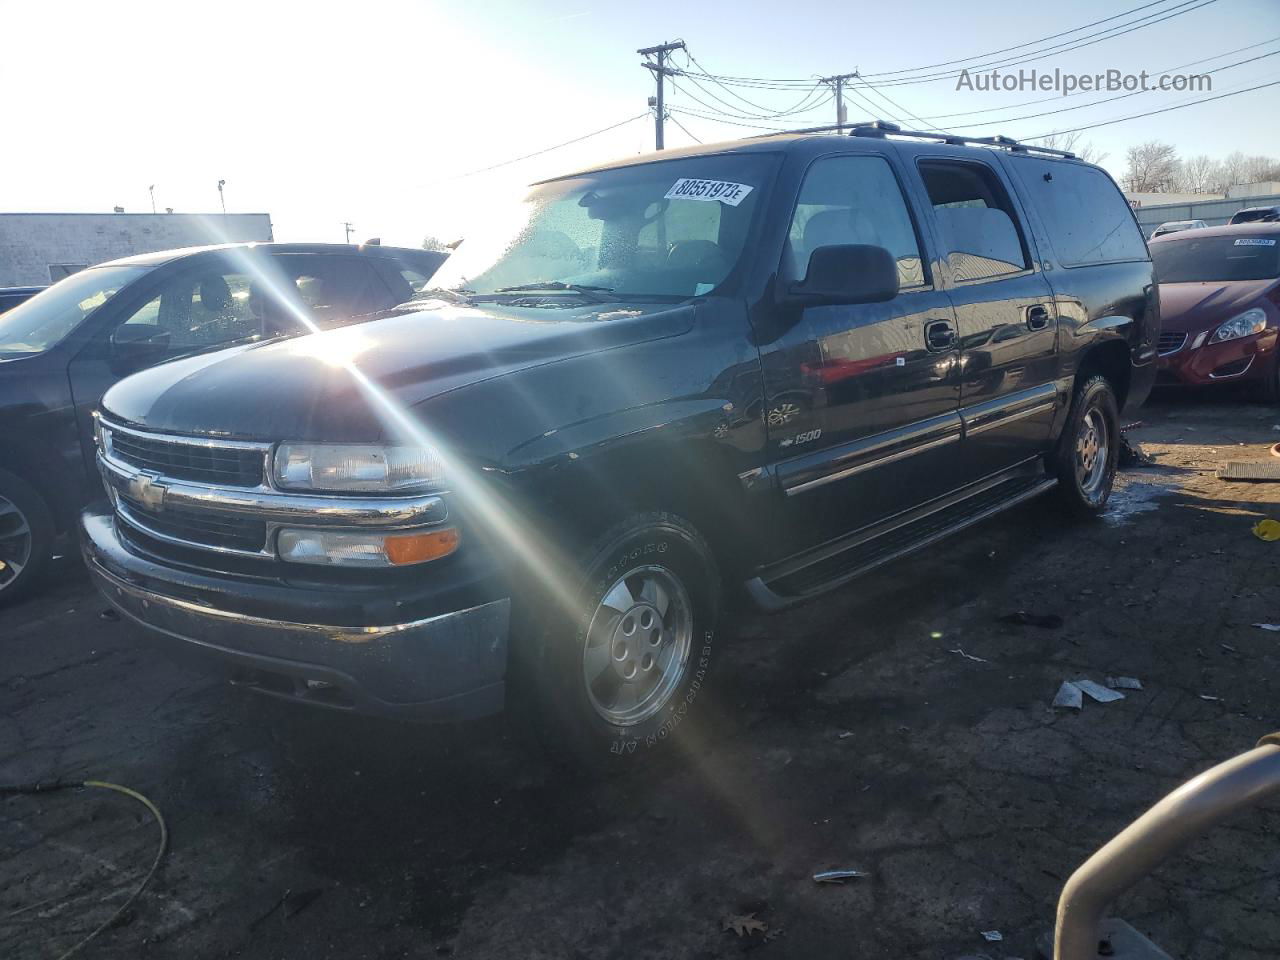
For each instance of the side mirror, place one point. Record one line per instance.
(848, 273)
(137, 345)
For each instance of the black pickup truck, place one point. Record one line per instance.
(771, 365)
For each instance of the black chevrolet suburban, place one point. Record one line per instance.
(772, 364)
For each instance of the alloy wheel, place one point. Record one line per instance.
(1092, 454)
(15, 543)
(637, 645)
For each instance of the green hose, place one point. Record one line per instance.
(49, 787)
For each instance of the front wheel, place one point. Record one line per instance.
(617, 668)
(26, 537)
(1089, 447)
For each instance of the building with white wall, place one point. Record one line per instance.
(40, 248)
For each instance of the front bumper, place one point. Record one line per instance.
(446, 666)
(1245, 359)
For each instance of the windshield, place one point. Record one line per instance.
(46, 318)
(1192, 259)
(670, 229)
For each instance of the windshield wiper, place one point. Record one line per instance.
(459, 295)
(590, 291)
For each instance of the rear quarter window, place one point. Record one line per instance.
(1087, 217)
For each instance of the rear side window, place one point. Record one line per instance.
(1088, 219)
(978, 226)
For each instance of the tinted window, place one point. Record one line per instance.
(1190, 259)
(976, 221)
(1088, 218)
(854, 200)
(195, 311)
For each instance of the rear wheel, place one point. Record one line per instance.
(1089, 447)
(26, 537)
(614, 677)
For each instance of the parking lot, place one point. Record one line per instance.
(896, 727)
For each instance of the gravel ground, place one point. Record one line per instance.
(847, 733)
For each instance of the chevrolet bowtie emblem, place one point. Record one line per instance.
(146, 489)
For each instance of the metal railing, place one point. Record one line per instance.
(1183, 815)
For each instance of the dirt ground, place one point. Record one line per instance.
(848, 733)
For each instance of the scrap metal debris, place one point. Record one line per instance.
(1022, 618)
(1098, 692)
(1124, 683)
(1132, 455)
(1266, 472)
(838, 876)
(968, 656)
(744, 925)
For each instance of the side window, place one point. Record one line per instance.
(194, 311)
(854, 199)
(334, 287)
(1088, 219)
(979, 229)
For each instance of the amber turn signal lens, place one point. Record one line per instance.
(421, 547)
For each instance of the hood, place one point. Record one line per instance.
(315, 387)
(1192, 307)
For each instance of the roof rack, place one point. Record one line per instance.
(879, 129)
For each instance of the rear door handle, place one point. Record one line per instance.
(939, 335)
(1037, 317)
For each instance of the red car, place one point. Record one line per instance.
(1220, 306)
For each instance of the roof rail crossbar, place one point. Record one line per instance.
(879, 129)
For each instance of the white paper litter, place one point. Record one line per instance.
(968, 656)
(992, 936)
(1273, 627)
(1098, 692)
(1069, 696)
(1205, 696)
(1124, 683)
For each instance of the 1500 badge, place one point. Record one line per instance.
(807, 437)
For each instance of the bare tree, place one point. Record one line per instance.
(1071, 143)
(1259, 168)
(1152, 167)
(1198, 174)
(434, 243)
(1232, 168)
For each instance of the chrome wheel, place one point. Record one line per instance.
(637, 646)
(1092, 454)
(15, 543)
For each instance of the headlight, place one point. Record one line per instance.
(1242, 325)
(355, 468)
(359, 548)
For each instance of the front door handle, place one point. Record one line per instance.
(939, 335)
(1037, 317)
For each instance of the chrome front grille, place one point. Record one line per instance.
(194, 528)
(221, 462)
(1170, 343)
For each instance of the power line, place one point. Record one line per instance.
(1019, 46)
(733, 112)
(764, 112)
(894, 103)
(538, 153)
(1152, 113)
(1122, 96)
(1187, 6)
(686, 132)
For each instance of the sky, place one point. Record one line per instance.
(377, 114)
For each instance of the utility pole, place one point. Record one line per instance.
(660, 71)
(838, 83)
(348, 227)
(221, 198)
(152, 190)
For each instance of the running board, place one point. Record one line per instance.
(835, 564)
